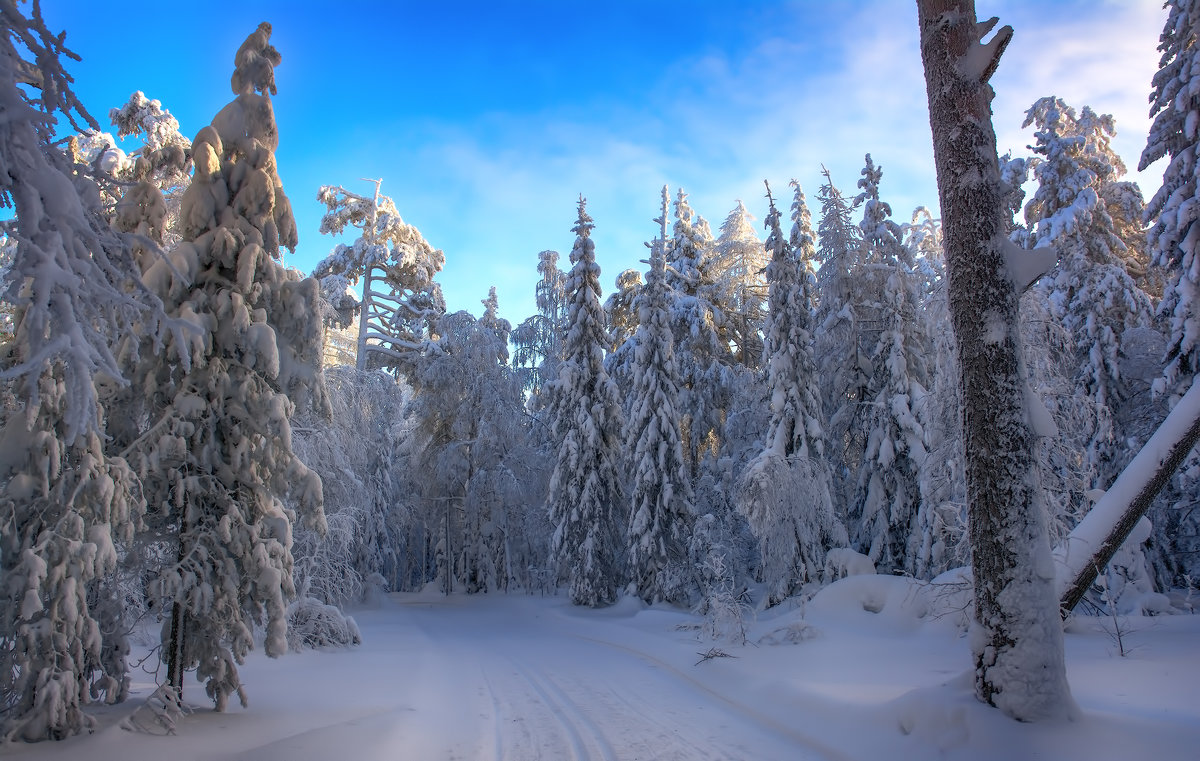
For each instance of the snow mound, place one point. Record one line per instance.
(937, 716)
(897, 603)
(313, 624)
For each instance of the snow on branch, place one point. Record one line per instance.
(981, 60)
(1025, 266)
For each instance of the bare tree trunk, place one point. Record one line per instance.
(175, 664)
(1017, 639)
(360, 359)
(1092, 544)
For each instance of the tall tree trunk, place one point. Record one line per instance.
(364, 325)
(1091, 545)
(1017, 638)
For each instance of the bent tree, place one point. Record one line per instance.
(1017, 638)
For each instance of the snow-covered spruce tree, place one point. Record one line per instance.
(842, 360)
(621, 308)
(164, 160)
(157, 172)
(785, 494)
(888, 492)
(621, 311)
(939, 541)
(585, 502)
(1175, 247)
(1016, 641)
(1175, 106)
(218, 459)
(397, 266)
(940, 537)
(698, 324)
(660, 520)
(1091, 290)
(63, 503)
(739, 262)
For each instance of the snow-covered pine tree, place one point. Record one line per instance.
(698, 324)
(218, 457)
(621, 308)
(786, 488)
(888, 490)
(164, 160)
(1175, 247)
(940, 539)
(72, 283)
(796, 428)
(585, 501)
(661, 517)
(622, 312)
(1091, 290)
(842, 360)
(740, 261)
(390, 255)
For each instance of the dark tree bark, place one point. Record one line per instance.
(1017, 641)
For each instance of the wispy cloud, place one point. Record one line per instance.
(822, 88)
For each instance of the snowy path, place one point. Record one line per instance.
(875, 675)
(527, 683)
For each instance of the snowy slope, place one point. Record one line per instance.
(879, 671)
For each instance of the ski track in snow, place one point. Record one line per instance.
(516, 678)
(555, 694)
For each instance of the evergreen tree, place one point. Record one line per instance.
(218, 459)
(662, 513)
(585, 500)
(621, 308)
(1175, 106)
(64, 504)
(740, 263)
(842, 355)
(698, 324)
(888, 490)
(1175, 248)
(1091, 290)
(164, 160)
(786, 488)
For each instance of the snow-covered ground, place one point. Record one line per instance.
(872, 668)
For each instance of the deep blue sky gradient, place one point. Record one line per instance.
(486, 120)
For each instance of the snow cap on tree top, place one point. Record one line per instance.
(254, 64)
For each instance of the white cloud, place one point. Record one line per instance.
(820, 90)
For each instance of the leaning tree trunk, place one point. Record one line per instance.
(1017, 637)
(1091, 545)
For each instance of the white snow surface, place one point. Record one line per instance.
(877, 668)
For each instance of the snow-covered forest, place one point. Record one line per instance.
(202, 443)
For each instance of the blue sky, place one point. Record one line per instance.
(487, 120)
